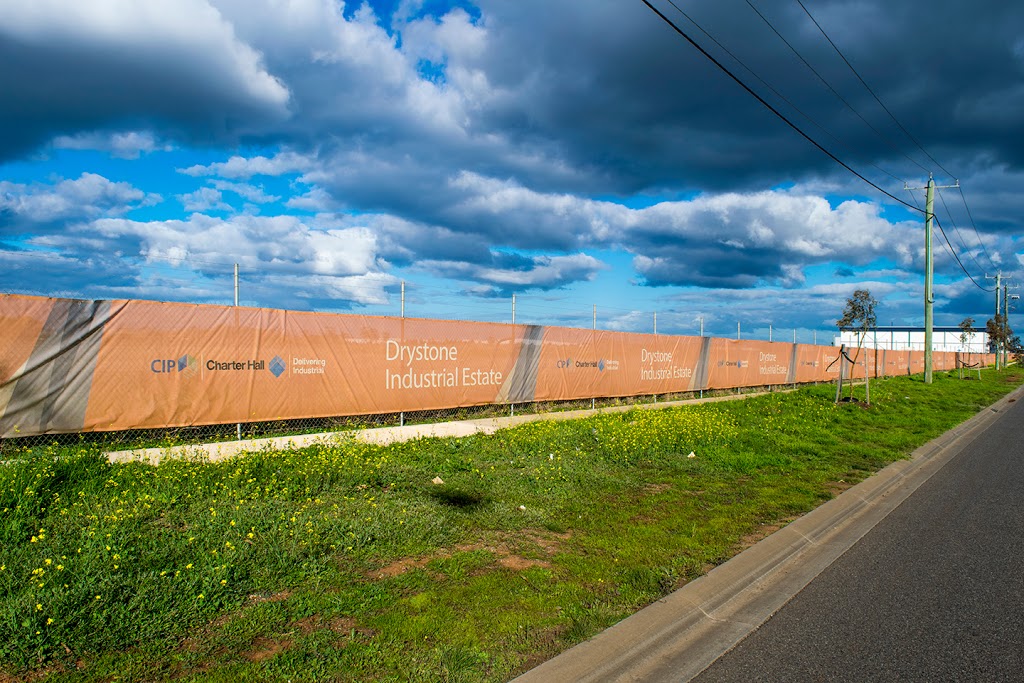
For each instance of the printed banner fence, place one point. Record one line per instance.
(81, 366)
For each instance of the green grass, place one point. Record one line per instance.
(348, 563)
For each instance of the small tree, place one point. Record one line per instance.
(967, 333)
(999, 333)
(859, 315)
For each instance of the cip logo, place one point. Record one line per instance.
(187, 365)
(564, 363)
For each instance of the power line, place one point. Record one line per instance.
(950, 246)
(959, 262)
(957, 231)
(905, 132)
(864, 83)
(775, 91)
(828, 85)
(768, 106)
(980, 241)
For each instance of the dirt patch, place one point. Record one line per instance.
(257, 598)
(265, 648)
(837, 487)
(762, 532)
(509, 548)
(39, 675)
(657, 488)
(517, 563)
(316, 622)
(399, 567)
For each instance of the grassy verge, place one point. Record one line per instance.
(351, 563)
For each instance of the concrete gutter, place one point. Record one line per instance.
(213, 452)
(678, 637)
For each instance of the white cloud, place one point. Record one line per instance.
(203, 199)
(87, 196)
(124, 145)
(242, 167)
(516, 272)
(250, 192)
(316, 199)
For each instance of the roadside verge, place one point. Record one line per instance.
(679, 636)
(213, 452)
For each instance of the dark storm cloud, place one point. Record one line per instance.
(640, 98)
(177, 68)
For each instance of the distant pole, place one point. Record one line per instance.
(737, 330)
(655, 322)
(1006, 323)
(595, 316)
(794, 335)
(238, 425)
(702, 327)
(401, 414)
(513, 309)
(998, 278)
(815, 337)
(769, 331)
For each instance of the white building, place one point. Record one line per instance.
(903, 338)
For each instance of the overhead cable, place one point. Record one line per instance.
(768, 106)
(868, 87)
(828, 85)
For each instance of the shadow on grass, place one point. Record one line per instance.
(456, 497)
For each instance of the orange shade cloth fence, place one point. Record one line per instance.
(80, 366)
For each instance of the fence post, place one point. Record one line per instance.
(238, 425)
(401, 415)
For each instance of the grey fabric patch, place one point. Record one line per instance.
(521, 385)
(700, 375)
(51, 394)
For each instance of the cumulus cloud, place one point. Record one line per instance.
(203, 199)
(124, 145)
(87, 196)
(511, 272)
(242, 167)
(285, 260)
(251, 192)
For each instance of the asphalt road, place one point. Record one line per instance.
(934, 592)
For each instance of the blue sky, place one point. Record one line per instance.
(573, 154)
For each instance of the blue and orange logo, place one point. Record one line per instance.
(187, 365)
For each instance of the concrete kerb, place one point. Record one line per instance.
(213, 452)
(678, 637)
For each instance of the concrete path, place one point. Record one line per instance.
(382, 435)
(680, 636)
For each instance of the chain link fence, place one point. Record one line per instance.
(217, 433)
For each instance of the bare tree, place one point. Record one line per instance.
(859, 316)
(967, 333)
